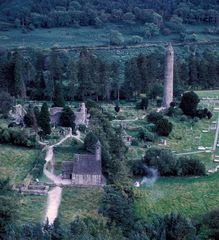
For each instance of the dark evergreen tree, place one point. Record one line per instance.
(67, 118)
(44, 119)
(189, 103)
(58, 98)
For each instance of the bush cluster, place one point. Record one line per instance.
(168, 164)
(16, 137)
(163, 125)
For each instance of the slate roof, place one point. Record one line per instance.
(86, 164)
(67, 167)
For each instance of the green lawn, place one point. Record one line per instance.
(79, 202)
(189, 196)
(30, 208)
(208, 93)
(16, 162)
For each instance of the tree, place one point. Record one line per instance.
(143, 104)
(164, 127)
(58, 99)
(190, 167)
(44, 119)
(7, 207)
(90, 141)
(189, 103)
(117, 207)
(163, 160)
(210, 225)
(154, 117)
(151, 30)
(175, 227)
(116, 38)
(20, 86)
(67, 118)
(6, 102)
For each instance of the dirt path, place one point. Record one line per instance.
(55, 195)
(53, 202)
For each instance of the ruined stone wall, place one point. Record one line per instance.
(87, 180)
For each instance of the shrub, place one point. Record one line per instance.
(143, 104)
(189, 103)
(164, 127)
(151, 127)
(159, 102)
(82, 128)
(135, 142)
(16, 137)
(90, 141)
(190, 167)
(116, 38)
(156, 91)
(183, 118)
(154, 117)
(92, 104)
(136, 39)
(67, 118)
(210, 224)
(163, 160)
(146, 135)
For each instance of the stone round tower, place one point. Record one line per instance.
(168, 76)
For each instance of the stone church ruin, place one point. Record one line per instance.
(85, 169)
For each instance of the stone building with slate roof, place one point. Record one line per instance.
(85, 169)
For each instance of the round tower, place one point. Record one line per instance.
(98, 151)
(168, 76)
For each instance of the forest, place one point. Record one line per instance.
(35, 75)
(166, 16)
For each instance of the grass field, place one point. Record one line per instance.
(79, 202)
(88, 36)
(208, 93)
(189, 196)
(30, 209)
(16, 162)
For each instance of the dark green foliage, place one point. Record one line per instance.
(117, 108)
(90, 141)
(82, 128)
(164, 127)
(190, 167)
(143, 104)
(16, 137)
(67, 118)
(44, 119)
(203, 113)
(168, 164)
(28, 120)
(175, 227)
(156, 91)
(163, 160)
(154, 117)
(58, 98)
(117, 207)
(146, 135)
(189, 103)
(6, 102)
(210, 225)
(7, 207)
(92, 104)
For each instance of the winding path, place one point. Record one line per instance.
(55, 195)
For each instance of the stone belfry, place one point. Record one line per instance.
(168, 76)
